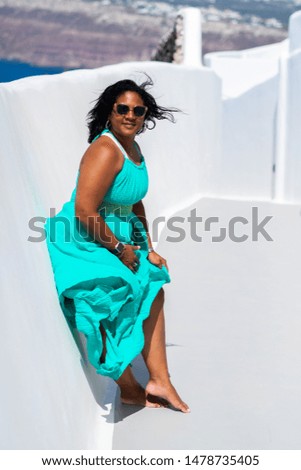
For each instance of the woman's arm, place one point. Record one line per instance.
(153, 257)
(99, 166)
(139, 210)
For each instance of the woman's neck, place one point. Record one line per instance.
(127, 142)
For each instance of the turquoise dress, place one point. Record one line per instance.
(94, 287)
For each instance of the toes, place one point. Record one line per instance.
(185, 408)
(162, 402)
(155, 399)
(181, 406)
(149, 404)
(142, 403)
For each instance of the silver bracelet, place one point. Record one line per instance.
(150, 250)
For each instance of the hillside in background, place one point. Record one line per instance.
(83, 33)
(278, 9)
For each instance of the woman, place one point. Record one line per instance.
(108, 276)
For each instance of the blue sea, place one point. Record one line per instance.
(11, 70)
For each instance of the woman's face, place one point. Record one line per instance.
(127, 124)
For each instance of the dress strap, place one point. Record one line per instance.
(139, 151)
(95, 138)
(108, 133)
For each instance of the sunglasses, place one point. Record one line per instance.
(123, 109)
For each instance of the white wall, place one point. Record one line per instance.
(192, 37)
(250, 86)
(248, 134)
(182, 157)
(261, 115)
(270, 51)
(46, 399)
(244, 69)
(240, 74)
(290, 109)
(295, 31)
(249, 106)
(50, 397)
(292, 174)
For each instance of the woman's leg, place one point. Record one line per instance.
(154, 354)
(104, 343)
(131, 392)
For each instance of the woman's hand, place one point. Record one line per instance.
(129, 258)
(157, 260)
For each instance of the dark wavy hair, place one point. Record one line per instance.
(98, 116)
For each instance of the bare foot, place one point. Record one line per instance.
(166, 391)
(135, 395)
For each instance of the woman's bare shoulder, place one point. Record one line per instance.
(101, 152)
